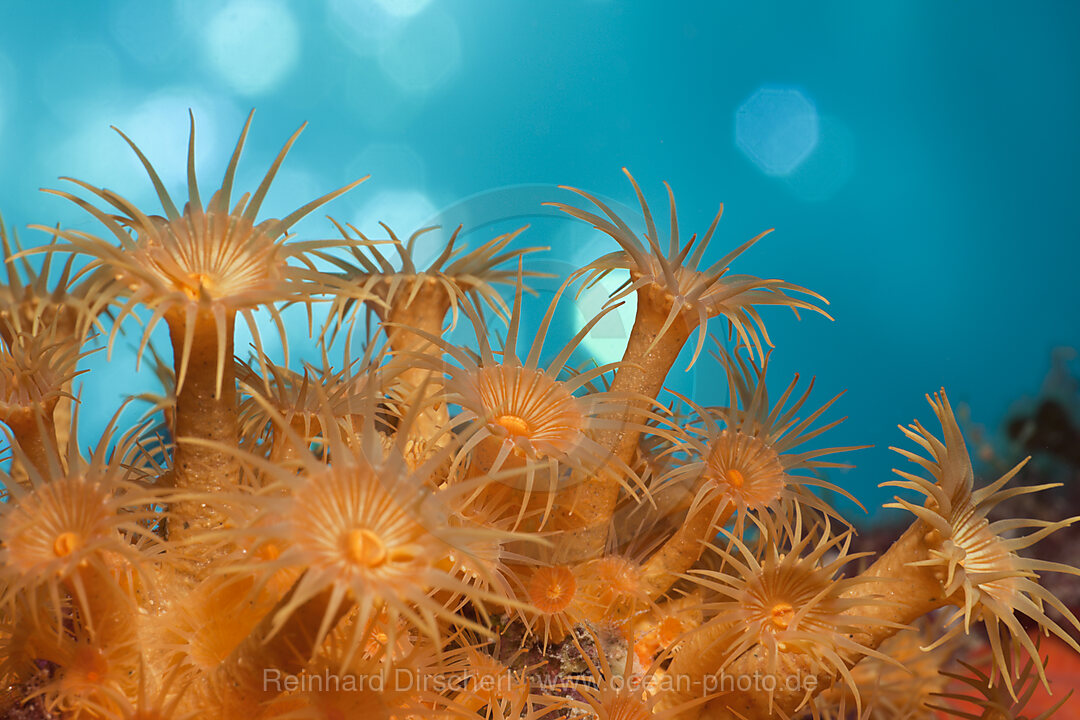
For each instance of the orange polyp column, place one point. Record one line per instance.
(426, 312)
(907, 592)
(266, 654)
(584, 510)
(35, 432)
(202, 414)
(679, 553)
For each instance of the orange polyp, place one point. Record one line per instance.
(744, 468)
(363, 547)
(65, 544)
(88, 666)
(513, 424)
(669, 630)
(782, 614)
(552, 589)
(646, 648)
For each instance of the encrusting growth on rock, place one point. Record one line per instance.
(416, 527)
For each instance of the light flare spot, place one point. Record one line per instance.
(426, 53)
(777, 129)
(252, 45)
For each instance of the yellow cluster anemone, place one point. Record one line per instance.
(456, 274)
(539, 420)
(674, 298)
(76, 523)
(45, 323)
(789, 600)
(36, 371)
(301, 400)
(365, 530)
(415, 526)
(745, 454)
(691, 293)
(197, 269)
(978, 562)
(212, 260)
(742, 460)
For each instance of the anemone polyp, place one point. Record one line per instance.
(220, 257)
(552, 589)
(771, 599)
(745, 470)
(977, 562)
(669, 629)
(745, 457)
(536, 413)
(211, 257)
(35, 369)
(367, 535)
(545, 422)
(555, 603)
(66, 524)
(376, 533)
(689, 294)
(790, 598)
(612, 592)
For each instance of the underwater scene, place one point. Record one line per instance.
(517, 361)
